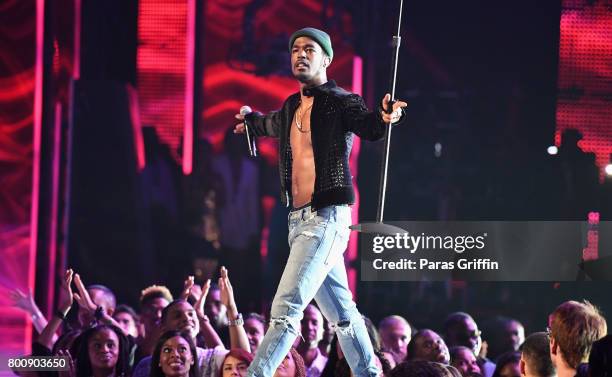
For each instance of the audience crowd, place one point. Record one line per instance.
(200, 332)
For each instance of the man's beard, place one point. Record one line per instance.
(221, 320)
(303, 77)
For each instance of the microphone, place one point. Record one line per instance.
(245, 110)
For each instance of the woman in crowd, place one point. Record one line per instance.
(292, 365)
(174, 356)
(102, 351)
(236, 363)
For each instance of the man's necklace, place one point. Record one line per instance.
(298, 118)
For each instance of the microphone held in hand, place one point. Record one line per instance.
(244, 111)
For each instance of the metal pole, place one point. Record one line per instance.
(385, 160)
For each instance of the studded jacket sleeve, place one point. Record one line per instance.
(360, 121)
(265, 125)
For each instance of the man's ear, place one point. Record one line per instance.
(553, 346)
(522, 366)
(326, 61)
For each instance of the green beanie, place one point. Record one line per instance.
(319, 36)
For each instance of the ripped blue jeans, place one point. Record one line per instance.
(315, 269)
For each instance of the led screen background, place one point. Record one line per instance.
(585, 76)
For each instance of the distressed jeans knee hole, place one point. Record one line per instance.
(344, 328)
(285, 322)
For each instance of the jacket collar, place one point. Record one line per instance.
(309, 92)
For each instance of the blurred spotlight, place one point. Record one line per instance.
(552, 150)
(608, 170)
(438, 149)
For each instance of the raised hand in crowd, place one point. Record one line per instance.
(64, 302)
(91, 312)
(26, 303)
(192, 290)
(200, 294)
(65, 294)
(71, 371)
(238, 337)
(187, 287)
(211, 338)
(82, 298)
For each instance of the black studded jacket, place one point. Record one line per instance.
(335, 116)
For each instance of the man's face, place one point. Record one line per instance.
(514, 336)
(395, 337)
(103, 350)
(312, 326)
(214, 309)
(182, 317)
(151, 314)
(467, 334)
(127, 323)
(255, 333)
(308, 61)
(466, 362)
(429, 346)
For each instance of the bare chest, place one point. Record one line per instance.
(300, 135)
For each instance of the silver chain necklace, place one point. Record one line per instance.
(298, 118)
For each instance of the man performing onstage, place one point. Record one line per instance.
(315, 128)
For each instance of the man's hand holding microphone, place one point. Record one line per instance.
(243, 128)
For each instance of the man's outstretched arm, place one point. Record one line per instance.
(370, 125)
(260, 125)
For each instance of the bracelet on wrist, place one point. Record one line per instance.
(236, 322)
(59, 314)
(99, 313)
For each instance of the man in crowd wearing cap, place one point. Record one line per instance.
(315, 128)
